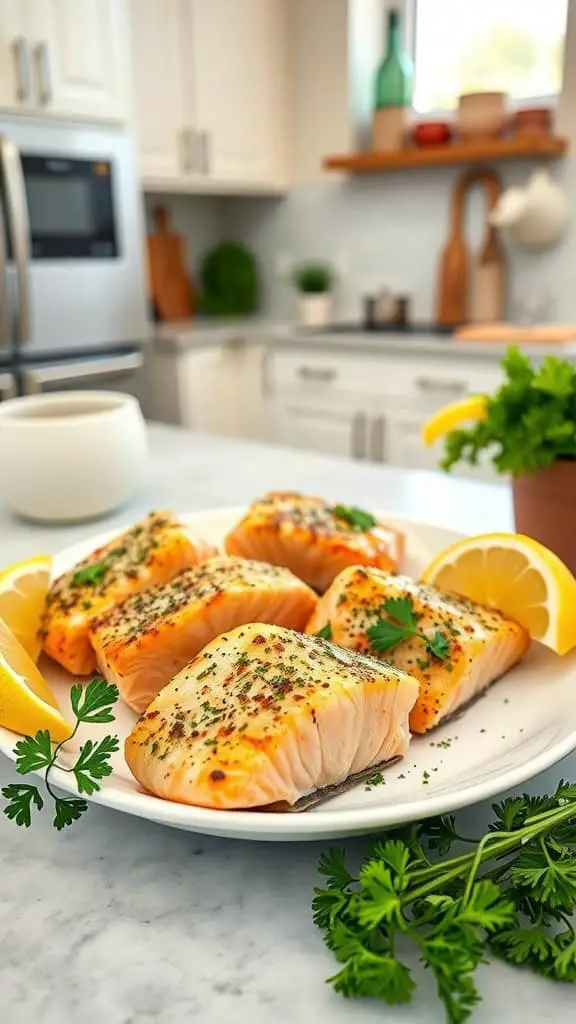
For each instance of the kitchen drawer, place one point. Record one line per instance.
(431, 381)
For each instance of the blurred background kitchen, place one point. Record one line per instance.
(309, 222)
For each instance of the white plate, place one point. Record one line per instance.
(524, 724)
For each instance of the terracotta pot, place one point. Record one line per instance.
(545, 508)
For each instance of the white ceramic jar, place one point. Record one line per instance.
(71, 456)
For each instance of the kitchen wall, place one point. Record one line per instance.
(197, 218)
(383, 229)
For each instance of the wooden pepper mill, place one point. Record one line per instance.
(472, 289)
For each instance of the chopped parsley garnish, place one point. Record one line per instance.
(357, 518)
(326, 632)
(402, 623)
(378, 779)
(90, 574)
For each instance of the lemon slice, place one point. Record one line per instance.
(23, 590)
(517, 576)
(27, 703)
(453, 415)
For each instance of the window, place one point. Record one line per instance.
(465, 46)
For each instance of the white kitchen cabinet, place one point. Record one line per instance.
(81, 57)
(65, 58)
(14, 57)
(238, 70)
(216, 389)
(393, 395)
(209, 85)
(158, 87)
(332, 431)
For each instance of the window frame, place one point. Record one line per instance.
(409, 13)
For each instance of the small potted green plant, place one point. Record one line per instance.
(314, 282)
(528, 426)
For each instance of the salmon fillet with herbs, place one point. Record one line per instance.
(150, 552)
(314, 539)
(142, 643)
(454, 647)
(265, 715)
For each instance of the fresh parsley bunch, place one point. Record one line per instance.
(512, 895)
(91, 705)
(530, 421)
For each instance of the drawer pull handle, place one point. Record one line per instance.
(359, 436)
(320, 373)
(430, 384)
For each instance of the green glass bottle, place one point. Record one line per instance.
(395, 76)
(393, 92)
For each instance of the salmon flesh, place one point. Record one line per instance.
(455, 648)
(305, 535)
(150, 552)
(142, 643)
(266, 715)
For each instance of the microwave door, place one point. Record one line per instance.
(18, 226)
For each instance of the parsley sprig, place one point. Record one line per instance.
(513, 895)
(401, 622)
(530, 420)
(90, 575)
(357, 518)
(91, 705)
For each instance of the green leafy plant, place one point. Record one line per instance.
(512, 895)
(91, 705)
(530, 421)
(230, 282)
(313, 277)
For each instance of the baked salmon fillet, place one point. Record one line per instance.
(312, 538)
(150, 552)
(142, 643)
(454, 647)
(266, 715)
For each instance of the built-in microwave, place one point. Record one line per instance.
(71, 207)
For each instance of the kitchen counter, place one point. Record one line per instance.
(120, 921)
(204, 332)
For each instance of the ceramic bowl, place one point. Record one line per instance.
(71, 456)
(432, 133)
(481, 115)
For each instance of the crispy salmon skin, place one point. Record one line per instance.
(266, 715)
(143, 642)
(474, 645)
(307, 536)
(150, 552)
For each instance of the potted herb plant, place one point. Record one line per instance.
(528, 426)
(314, 281)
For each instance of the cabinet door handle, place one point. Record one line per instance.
(188, 149)
(205, 151)
(44, 76)
(377, 439)
(20, 48)
(431, 384)
(320, 373)
(359, 436)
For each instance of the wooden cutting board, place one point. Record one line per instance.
(170, 285)
(517, 333)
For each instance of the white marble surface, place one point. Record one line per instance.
(123, 922)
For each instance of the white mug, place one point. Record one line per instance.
(71, 455)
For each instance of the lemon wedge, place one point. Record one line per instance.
(27, 703)
(453, 415)
(23, 590)
(517, 576)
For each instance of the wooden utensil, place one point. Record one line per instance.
(461, 282)
(170, 285)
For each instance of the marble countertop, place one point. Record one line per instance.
(120, 921)
(203, 332)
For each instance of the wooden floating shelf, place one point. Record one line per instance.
(518, 148)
